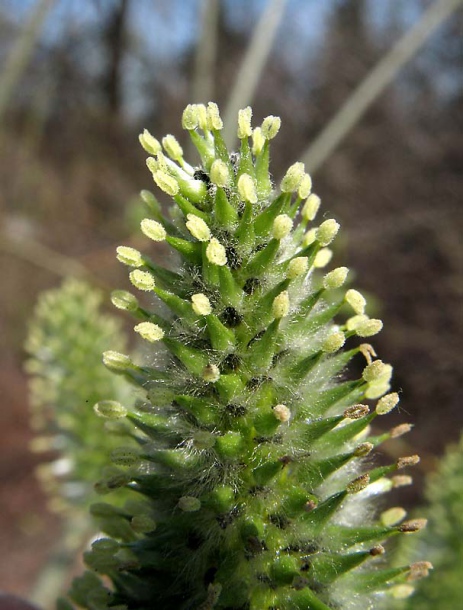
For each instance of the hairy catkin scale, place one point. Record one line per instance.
(253, 461)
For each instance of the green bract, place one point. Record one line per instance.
(251, 474)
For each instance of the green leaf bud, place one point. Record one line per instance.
(298, 266)
(219, 174)
(322, 258)
(166, 182)
(247, 188)
(110, 409)
(271, 126)
(293, 177)
(189, 504)
(172, 147)
(280, 305)
(244, 122)
(336, 278)
(393, 516)
(311, 206)
(153, 229)
(282, 226)
(149, 331)
(327, 231)
(201, 304)
(356, 301)
(333, 342)
(129, 256)
(190, 117)
(124, 300)
(216, 253)
(213, 115)
(305, 187)
(387, 403)
(211, 373)
(143, 280)
(258, 141)
(116, 361)
(149, 143)
(282, 413)
(198, 228)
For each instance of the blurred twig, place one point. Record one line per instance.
(375, 82)
(21, 52)
(252, 65)
(206, 53)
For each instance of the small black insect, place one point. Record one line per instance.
(200, 174)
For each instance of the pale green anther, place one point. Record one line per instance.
(387, 403)
(280, 305)
(172, 147)
(356, 321)
(270, 127)
(152, 164)
(190, 117)
(377, 389)
(198, 228)
(105, 545)
(244, 122)
(216, 253)
(309, 238)
(149, 143)
(201, 304)
(129, 256)
(219, 173)
(356, 300)
(369, 327)
(189, 504)
(393, 516)
(401, 591)
(116, 361)
(142, 524)
(153, 229)
(110, 409)
(333, 342)
(327, 231)
(211, 373)
(336, 278)
(125, 456)
(305, 187)
(377, 371)
(142, 280)
(124, 300)
(282, 226)
(258, 141)
(282, 413)
(149, 331)
(162, 162)
(298, 266)
(202, 117)
(311, 206)
(293, 177)
(322, 258)
(166, 182)
(247, 188)
(358, 484)
(213, 115)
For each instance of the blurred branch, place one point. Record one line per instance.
(42, 256)
(206, 53)
(21, 52)
(115, 39)
(375, 82)
(252, 65)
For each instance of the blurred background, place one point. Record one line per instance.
(79, 79)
